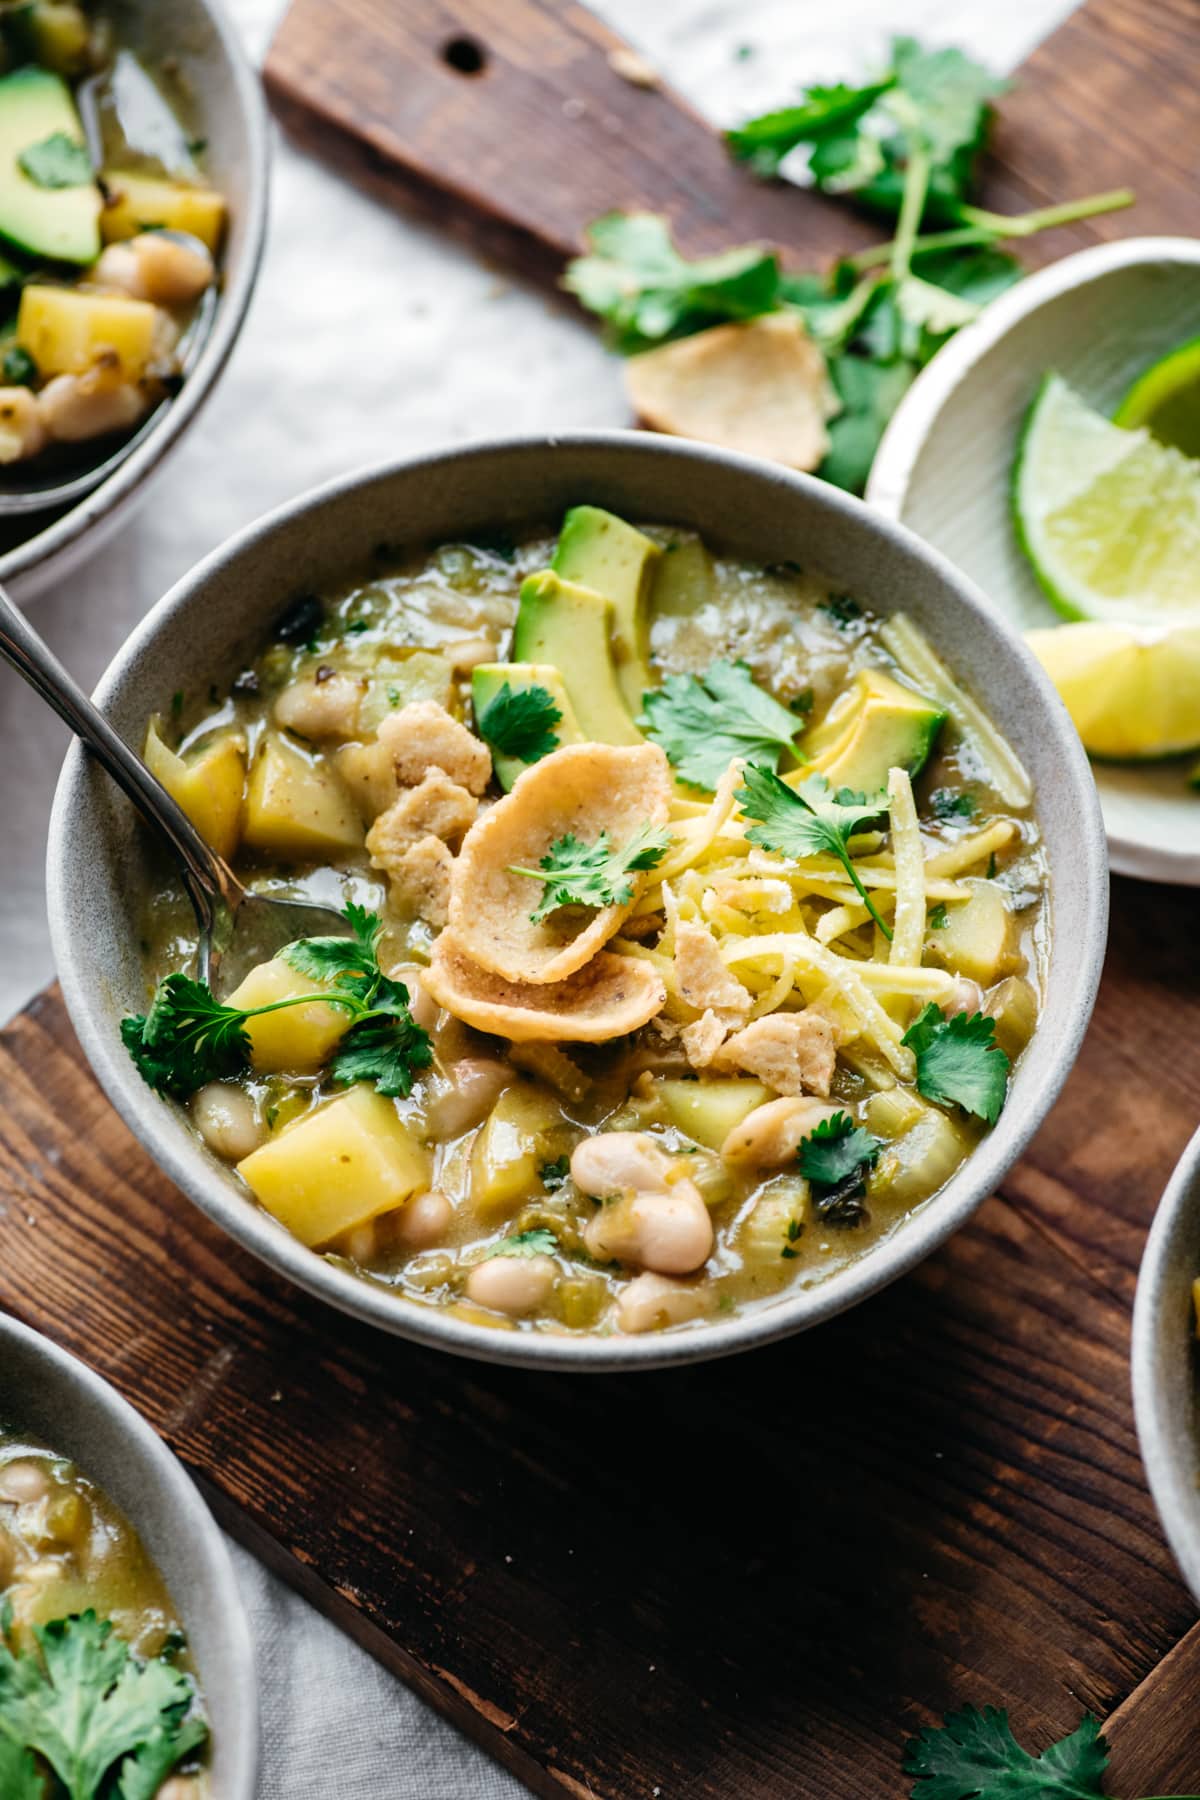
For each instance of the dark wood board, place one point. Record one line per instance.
(745, 1578)
(521, 154)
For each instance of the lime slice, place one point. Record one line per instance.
(1166, 400)
(1132, 692)
(1110, 519)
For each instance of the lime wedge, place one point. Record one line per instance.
(1166, 400)
(1109, 519)
(1133, 692)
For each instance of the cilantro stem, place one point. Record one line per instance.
(1045, 217)
(852, 872)
(989, 228)
(916, 189)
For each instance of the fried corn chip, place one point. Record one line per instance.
(611, 996)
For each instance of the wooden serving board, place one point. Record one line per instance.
(504, 121)
(749, 1578)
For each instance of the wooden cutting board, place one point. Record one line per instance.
(747, 1579)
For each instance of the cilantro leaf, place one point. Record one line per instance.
(94, 1712)
(974, 1756)
(520, 722)
(552, 1175)
(869, 392)
(938, 917)
(702, 722)
(579, 874)
(58, 161)
(808, 820)
(386, 1047)
(834, 1158)
(959, 1061)
(189, 1038)
(945, 803)
(636, 280)
(765, 141)
(539, 1242)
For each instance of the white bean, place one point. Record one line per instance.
(965, 996)
(770, 1136)
(470, 1090)
(424, 1221)
(669, 1232)
(75, 407)
(619, 1162)
(423, 1009)
(154, 266)
(512, 1284)
(650, 1302)
(227, 1120)
(22, 432)
(23, 1482)
(321, 707)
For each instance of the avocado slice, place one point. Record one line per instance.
(600, 551)
(569, 626)
(876, 726)
(58, 222)
(683, 579)
(487, 679)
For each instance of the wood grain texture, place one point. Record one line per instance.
(744, 1578)
(519, 157)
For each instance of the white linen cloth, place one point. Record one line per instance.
(371, 336)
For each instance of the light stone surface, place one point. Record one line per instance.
(371, 336)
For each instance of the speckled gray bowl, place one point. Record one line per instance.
(53, 1397)
(1164, 1363)
(230, 114)
(219, 613)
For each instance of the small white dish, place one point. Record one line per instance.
(944, 468)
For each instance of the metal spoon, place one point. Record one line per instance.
(41, 493)
(237, 928)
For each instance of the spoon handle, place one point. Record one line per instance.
(206, 877)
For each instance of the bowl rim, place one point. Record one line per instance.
(30, 565)
(894, 1256)
(1171, 1474)
(918, 412)
(240, 1752)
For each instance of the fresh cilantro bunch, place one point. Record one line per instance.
(809, 820)
(107, 1723)
(959, 1062)
(520, 722)
(701, 722)
(974, 1756)
(834, 1159)
(638, 283)
(905, 144)
(189, 1038)
(579, 874)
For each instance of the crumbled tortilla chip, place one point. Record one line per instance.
(583, 789)
(761, 387)
(611, 996)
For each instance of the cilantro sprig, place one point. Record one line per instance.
(106, 1722)
(701, 722)
(636, 280)
(579, 874)
(973, 1755)
(809, 820)
(540, 1241)
(189, 1037)
(904, 144)
(520, 722)
(834, 1159)
(959, 1062)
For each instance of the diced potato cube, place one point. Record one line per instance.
(297, 808)
(979, 938)
(522, 1131)
(209, 786)
(65, 330)
(297, 1039)
(141, 202)
(707, 1111)
(337, 1167)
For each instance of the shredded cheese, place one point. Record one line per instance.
(908, 929)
